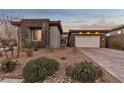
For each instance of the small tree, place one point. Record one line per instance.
(8, 33)
(3, 45)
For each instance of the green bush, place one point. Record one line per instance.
(8, 65)
(29, 48)
(38, 69)
(84, 72)
(29, 52)
(115, 45)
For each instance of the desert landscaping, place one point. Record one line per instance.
(65, 57)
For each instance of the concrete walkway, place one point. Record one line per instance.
(11, 81)
(111, 60)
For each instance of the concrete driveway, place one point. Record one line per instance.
(111, 60)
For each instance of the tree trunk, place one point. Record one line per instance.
(18, 50)
(5, 51)
(12, 49)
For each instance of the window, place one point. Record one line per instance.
(36, 34)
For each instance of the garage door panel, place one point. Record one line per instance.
(87, 41)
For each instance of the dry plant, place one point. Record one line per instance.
(9, 35)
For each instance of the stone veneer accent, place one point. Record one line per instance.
(26, 26)
(119, 38)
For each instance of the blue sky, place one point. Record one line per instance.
(74, 18)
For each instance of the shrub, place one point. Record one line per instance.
(29, 48)
(8, 65)
(38, 69)
(33, 72)
(115, 45)
(29, 52)
(84, 72)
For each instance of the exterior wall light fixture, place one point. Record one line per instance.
(96, 33)
(80, 33)
(88, 33)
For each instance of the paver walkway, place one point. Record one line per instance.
(111, 60)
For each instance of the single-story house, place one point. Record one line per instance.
(42, 32)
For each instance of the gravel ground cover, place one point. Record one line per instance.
(65, 57)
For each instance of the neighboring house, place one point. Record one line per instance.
(42, 32)
(116, 34)
(87, 38)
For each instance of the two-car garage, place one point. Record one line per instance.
(90, 41)
(87, 38)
